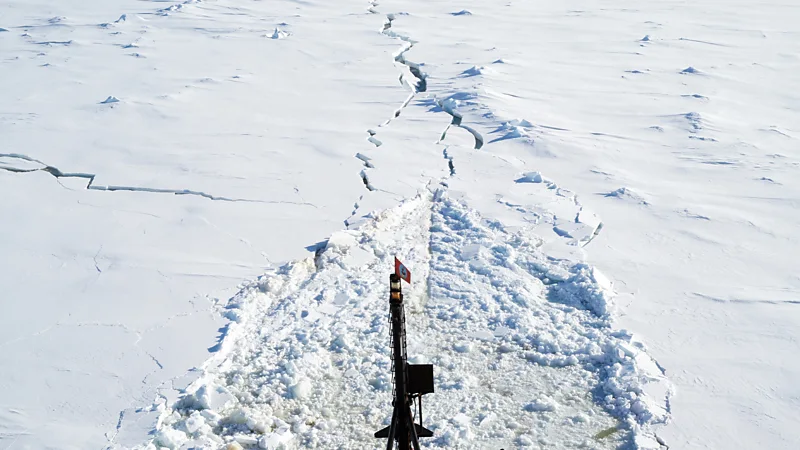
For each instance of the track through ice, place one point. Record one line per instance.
(522, 345)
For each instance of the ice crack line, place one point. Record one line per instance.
(457, 119)
(113, 437)
(449, 159)
(39, 166)
(420, 83)
(412, 77)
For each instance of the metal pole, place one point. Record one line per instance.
(401, 371)
(403, 428)
(414, 437)
(390, 444)
(419, 397)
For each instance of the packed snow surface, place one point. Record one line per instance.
(567, 181)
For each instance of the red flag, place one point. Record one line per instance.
(401, 271)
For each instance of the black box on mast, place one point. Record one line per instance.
(420, 379)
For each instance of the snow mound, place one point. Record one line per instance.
(532, 177)
(278, 34)
(514, 129)
(306, 363)
(542, 404)
(475, 71)
(625, 193)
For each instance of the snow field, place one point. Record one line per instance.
(158, 153)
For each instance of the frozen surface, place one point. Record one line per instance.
(155, 156)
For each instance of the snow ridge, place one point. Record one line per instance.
(523, 346)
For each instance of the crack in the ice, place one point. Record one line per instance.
(557, 225)
(375, 141)
(365, 180)
(89, 177)
(419, 85)
(356, 205)
(113, 437)
(449, 159)
(94, 258)
(457, 120)
(119, 420)
(744, 301)
(155, 360)
(366, 160)
(372, 5)
(595, 233)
